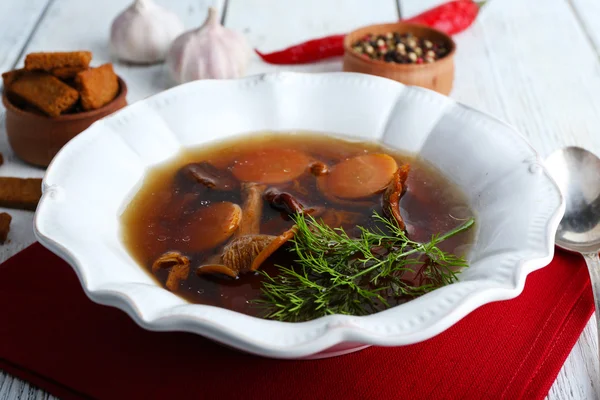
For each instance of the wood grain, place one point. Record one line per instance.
(588, 13)
(311, 19)
(17, 21)
(13, 389)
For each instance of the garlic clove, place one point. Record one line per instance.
(143, 32)
(209, 52)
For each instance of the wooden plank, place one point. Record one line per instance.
(276, 24)
(15, 389)
(588, 13)
(89, 29)
(17, 21)
(547, 88)
(409, 8)
(577, 378)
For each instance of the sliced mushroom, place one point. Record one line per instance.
(393, 193)
(210, 226)
(245, 254)
(217, 269)
(271, 166)
(358, 177)
(287, 203)
(248, 249)
(178, 265)
(272, 247)
(210, 176)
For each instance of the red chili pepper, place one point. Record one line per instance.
(452, 17)
(313, 50)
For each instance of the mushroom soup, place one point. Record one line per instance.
(218, 225)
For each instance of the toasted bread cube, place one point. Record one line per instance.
(8, 78)
(46, 92)
(20, 193)
(62, 59)
(66, 73)
(98, 86)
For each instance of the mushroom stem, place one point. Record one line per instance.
(178, 265)
(251, 209)
(393, 193)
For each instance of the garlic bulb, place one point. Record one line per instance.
(143, 32)
(209, 52)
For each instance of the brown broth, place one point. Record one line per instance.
(152, 222)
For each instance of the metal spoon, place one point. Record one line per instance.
(577, 173)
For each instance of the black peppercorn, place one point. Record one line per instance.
(401, 48)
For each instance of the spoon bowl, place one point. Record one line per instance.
(577, 174)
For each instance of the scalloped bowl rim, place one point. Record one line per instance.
(326, 332)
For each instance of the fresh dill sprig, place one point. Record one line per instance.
(338, 274)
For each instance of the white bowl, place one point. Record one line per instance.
(91, 180)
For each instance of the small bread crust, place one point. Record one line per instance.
(20, 193)
(5, 219)
(52, 60)
(66, 73)
(8, 78)
(46, 92)
(98, 86)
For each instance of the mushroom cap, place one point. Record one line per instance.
(210, 176)
(272, 247)
(271, 166)
(210, 226)
(246, 253)
(358, 177)
(169, 260)
(178, 265)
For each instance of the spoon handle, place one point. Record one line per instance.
(593, 264)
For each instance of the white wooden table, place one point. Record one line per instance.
(534, 63)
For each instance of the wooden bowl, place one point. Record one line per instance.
(438, 76)
(36, 138)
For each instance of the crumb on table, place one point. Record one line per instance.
(5, 220)
(20, 193)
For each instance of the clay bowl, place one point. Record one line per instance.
(36, 138)
(438, 76)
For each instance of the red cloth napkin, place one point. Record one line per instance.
(54, 337)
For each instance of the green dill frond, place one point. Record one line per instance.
(337, 274)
